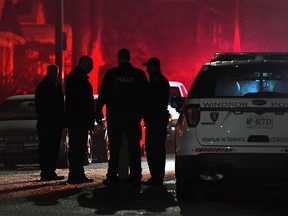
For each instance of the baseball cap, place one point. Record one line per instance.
(152, 61)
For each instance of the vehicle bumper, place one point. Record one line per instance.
(232, 164)
(23, 158)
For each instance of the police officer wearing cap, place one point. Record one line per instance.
(123, 91)
(156, 118)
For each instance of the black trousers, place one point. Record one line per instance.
(133, 136)
(77, 152)
(156, 131)
(49, 144)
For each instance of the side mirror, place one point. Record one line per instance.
(177, 103)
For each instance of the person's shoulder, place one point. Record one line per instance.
(74, 75)
(138, 70)
(164, 77)
(42, 83)
(111, 71)
(39, 86)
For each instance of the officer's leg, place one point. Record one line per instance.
(55, 145)
(123, 173)
(133, 138)
(115, 140)
(43, 152)
(150, 148)
(159, 157)
(77, 150)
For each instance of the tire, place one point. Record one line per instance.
(99, 147)
(63, 161)
(188, 190)
(107, 146)
(88, 156)
(188, 183)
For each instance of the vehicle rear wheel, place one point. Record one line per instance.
(188, 191)
(188, 183)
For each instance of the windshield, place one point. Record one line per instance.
(18, 109)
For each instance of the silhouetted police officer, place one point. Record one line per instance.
(49, 104)
(123, 90)
(156, 118)
(79, 104)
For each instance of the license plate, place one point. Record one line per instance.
(14, 148)
(259, 122)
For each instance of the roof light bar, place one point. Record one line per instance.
(250, 56)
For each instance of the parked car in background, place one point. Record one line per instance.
(100, 147)
(177, 89)
(233, 123)
(18, 134)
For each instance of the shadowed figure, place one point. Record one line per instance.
(156, 117)
(123, 91)
(49, 105)
(80, 117)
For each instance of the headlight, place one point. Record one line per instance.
(32, 138)
(2, 141)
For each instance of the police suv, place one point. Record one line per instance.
(233, 122)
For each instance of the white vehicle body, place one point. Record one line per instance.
(234, 119)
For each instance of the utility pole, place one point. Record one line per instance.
(237, 42)
(59, 38)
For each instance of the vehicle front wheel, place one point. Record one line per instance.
(63, 152)
(88, 156)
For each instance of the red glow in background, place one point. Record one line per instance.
(183, 34)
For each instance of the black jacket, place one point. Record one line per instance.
(123, 91)
(49, 105)
(157, 97)
(79, 101)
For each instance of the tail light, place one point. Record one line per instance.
(192, 112)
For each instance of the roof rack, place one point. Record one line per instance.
(242, 56)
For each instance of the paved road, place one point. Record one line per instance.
(21, 193)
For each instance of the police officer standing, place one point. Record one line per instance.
(156, 118)
(80, 117)
(49, 105)
(123, 90)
